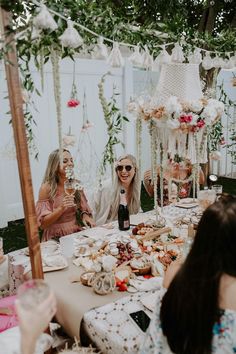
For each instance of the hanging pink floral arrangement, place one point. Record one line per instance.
(73, 101)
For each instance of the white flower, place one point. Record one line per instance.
(173, 124)
(194, 119)
(173, 105)
(209, 114)
(108, 263)
(69, 140)
(215, 155)
(132, 107)
(195, 106)
(69, 173)
(218, 106)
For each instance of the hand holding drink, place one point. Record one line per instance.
(35, 307)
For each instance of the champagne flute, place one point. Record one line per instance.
(32, 293)
(70, 186)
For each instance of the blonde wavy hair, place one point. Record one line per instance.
(51, 174)
(135, 186)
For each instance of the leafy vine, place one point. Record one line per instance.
(230, 146)
(114, 122)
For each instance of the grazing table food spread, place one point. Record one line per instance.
(125, 267)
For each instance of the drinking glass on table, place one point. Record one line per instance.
(218, 188)
(205, 198)
(70, 186)
(32, 293)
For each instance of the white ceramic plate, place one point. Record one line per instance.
(60, 263)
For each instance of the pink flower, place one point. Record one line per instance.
(200, 123)
(73, 103)
(185, 118)
(183, 193)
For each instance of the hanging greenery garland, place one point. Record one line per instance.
(138, 125)
(114, 121)
(55, 58)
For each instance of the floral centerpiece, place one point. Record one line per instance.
(186, 116)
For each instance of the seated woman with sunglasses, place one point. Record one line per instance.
(198, 311)
(106, 200)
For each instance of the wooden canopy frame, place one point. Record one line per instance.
(22, 153)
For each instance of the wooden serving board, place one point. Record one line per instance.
(157, 233)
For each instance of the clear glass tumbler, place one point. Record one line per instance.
(32, 293)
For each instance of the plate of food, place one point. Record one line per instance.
(141, 266)
(54, 262)
(187, 203)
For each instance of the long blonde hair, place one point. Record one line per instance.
(135, 186)
(51, 174)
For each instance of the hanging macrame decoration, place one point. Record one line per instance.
(177, 55)
(136, 57)
(86, 123)
(44, 19)
(164, 57)
(180, 118)
(71, 38)
(69, 139)
(115, 58)
(207, 63)
(147, 59)
(195, 57)
(100, 50)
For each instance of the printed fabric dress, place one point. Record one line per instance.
(224, 335)
(67, 223)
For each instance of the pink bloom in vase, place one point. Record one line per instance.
(185, 118)
(73, 103)
(189, 118)
(200, 123)
(183, 193)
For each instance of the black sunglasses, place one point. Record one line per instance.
(126, 167)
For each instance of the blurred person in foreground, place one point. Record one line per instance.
(33, 323)
(197, 314)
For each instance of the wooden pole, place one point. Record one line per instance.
(18, 124)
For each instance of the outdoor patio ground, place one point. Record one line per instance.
(14, 236)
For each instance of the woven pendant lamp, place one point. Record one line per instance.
(180, 80)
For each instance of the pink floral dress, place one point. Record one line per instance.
(67, 223)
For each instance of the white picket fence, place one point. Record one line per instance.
(88, 75)
(225, 167)
(89, 146)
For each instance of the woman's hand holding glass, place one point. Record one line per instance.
(68, 202)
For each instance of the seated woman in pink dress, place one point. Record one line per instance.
(55, 210)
